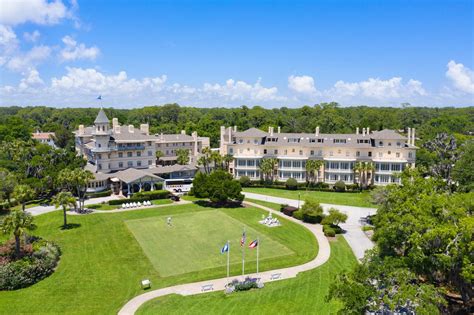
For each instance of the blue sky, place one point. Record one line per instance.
(229, 53)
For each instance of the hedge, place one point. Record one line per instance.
(302, 186)
(329, 231)
(104, 193)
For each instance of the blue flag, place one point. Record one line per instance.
(225, 248)
(99, 97)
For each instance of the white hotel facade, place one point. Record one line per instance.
(389, 151)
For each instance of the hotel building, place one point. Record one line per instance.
(389, 151)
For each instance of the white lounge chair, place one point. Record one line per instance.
(123, 206)
(139, 204)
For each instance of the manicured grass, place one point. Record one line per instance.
(106, 206)
(102, 263)
(193, 241)
(304, 294)
(361, 199)
(270, 205)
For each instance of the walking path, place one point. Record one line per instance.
(219, 284)
(175, 203)
(355, 237)
(45, 209)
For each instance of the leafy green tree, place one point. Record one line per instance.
(64, 199)
(159, 155)
(245, 181)
(219, 187)
(335, 217)
(7, 184)
(182, 156)
(463, 171)
(205, 160)
(445, 148)
(312, 211)
(268, 167)
(23, 194)
(17, 223)
(291, 184)
(75, 181)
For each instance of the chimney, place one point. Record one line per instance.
(317, 131)
(368, 131)
(114, 122)
(161, 137)
(413, 136)
(230, 134)
(81, 129)
(279, 129)
(195, 146)
(271, 131)
(117, 129)
(235, 128)
(357, 130)
(363, 132)
(130, 128)
(183, 132)
(144, 128)
(409, 136)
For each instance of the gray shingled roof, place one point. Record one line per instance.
(172, 168)
(387, 134)
(136, 136)
(252, 132)
(174, 137)
(131, 175)
(101, 117)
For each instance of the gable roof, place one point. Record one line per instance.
(131, 175)
(387, 134)
(252, 132)
(101, 117)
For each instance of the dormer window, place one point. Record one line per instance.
(380, 143)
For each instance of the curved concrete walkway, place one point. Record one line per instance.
(219, 284)
(355, 237)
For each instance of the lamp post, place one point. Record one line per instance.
(299, 196)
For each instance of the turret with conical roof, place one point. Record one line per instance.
(101, 123)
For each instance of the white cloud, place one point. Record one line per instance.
(31, 80)
(239, 90)
(14, 12)
(29, 60)
(31, 37)
(74, 51)
(378, 89)
(8, 43)
(461, 76)
(302, 84)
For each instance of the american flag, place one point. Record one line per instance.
(253, 244)
(242, 240)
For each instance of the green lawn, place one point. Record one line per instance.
(267, 204)
(304, 294)
(361, 199)
(102, 263)
(106, 206)
(193, 241)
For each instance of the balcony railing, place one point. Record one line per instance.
(135, 147)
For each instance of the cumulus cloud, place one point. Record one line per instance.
(302, 84)
(74, 51)
(239, 90)
(44, 12)
(8, 43)
(31, 80)
(378, 89)
(31, 37)
(29, 60)
(461, 76)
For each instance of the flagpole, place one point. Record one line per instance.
(228, 259)
(243, 257)
(258, 246)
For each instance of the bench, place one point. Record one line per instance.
(207, 287)
(146, 284)
(275, 276)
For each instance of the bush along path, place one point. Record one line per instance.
(219, 284)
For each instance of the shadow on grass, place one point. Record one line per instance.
(70, 226)
(210, 204)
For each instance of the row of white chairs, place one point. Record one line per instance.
(135, 204)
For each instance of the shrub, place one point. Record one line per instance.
(245, 181)
(298, 215)
(152, 194)
(104, 193)
(219, 187)
(159, 186)
(39, 262)
(329, 231)
(291, 184)
(352, 187)
(312, 211)
(335, 217)
(339, 186)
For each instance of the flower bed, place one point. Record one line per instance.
(247, 284)
(37, 261)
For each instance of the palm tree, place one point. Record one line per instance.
(205, 159)
(64, 199)
(23, 193)
(76, 180)
(17, 222)
(7, 184)
(182, 156)
(227, 159)
(268, 167)
(312, 169)
(363, 169)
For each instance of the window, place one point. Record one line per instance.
(380, 143)
(139, 163)
(231, 150)
(320, 152)
(99, 145)
(292, 150)
(100, 166)
(264, 151)
(241, 141)
(398, 144)
(275, 151)
(338, 151)
(286, 152)
(99, 156)
(120, 164)
(139, 153)
(370, 154)
(312, 152)
(301, 152)
(410, 155)
(389, 144)
(150, 162)
(129, 154)
(108, 156)
(286, 163)
(150, 153)
(389, 152)
(130, 163)
(255, 141)
(358, 153)
(397, 154)
(380, 154)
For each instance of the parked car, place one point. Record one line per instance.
(175, 197)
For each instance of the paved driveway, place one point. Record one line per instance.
(357, 240)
